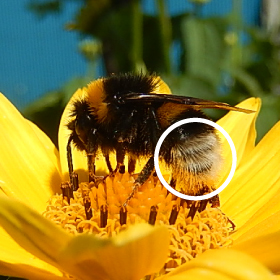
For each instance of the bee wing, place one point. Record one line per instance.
(184, 100)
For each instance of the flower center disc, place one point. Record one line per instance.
(191, 232)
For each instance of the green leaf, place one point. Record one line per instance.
(248, 81)
(269, 114)
(205, 48)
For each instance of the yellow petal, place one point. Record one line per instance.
(14, 258)
(264, 248)
(132, 254)
(31, 231)
(241, 128)
(29, 166)
(51, 150)
(223, 264)
(86, 256)
(267, 226)
(27, 272)
(257, 181)
(264, 221)
(198, 274)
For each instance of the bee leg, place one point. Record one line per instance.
(215, 201)
(73, 176)
(91, 150)
(69, 157)
(92, 177)
(202, 205)
(131, 165)
(173, 182)
(193, 209)
(110, 168)
(91, 167)
(146, 172)
(142, 178)
(120, 159)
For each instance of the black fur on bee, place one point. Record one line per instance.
(126, 114)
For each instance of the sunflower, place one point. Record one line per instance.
(44, 236)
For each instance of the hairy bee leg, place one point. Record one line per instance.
(146, 172)
(142, 178)
(199, 206)
(173, 182)
(69, 157)
(120, 154)
(72, 175)
(108, 163)
(131, 165)
(215, 201)
(202, 205)
(91, 170)
(193, 210)
(91, 167)
(91, 150)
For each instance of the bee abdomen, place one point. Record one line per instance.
(199, 155)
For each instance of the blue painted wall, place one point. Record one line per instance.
(37, 56)
(250, 8)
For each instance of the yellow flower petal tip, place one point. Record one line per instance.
(29, 160)
(222, 264)
(252, 103)
(29, 272)
(268, 244)
(132, 254)
(30, 230)
(241, 129)
(252, 195)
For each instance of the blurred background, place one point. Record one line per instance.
(219, 50)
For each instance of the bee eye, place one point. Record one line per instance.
(82, 127)
(119, 99)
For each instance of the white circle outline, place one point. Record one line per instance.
(193, 120)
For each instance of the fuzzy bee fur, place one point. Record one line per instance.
(126, 114)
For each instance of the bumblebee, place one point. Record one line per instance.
(126, 114)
